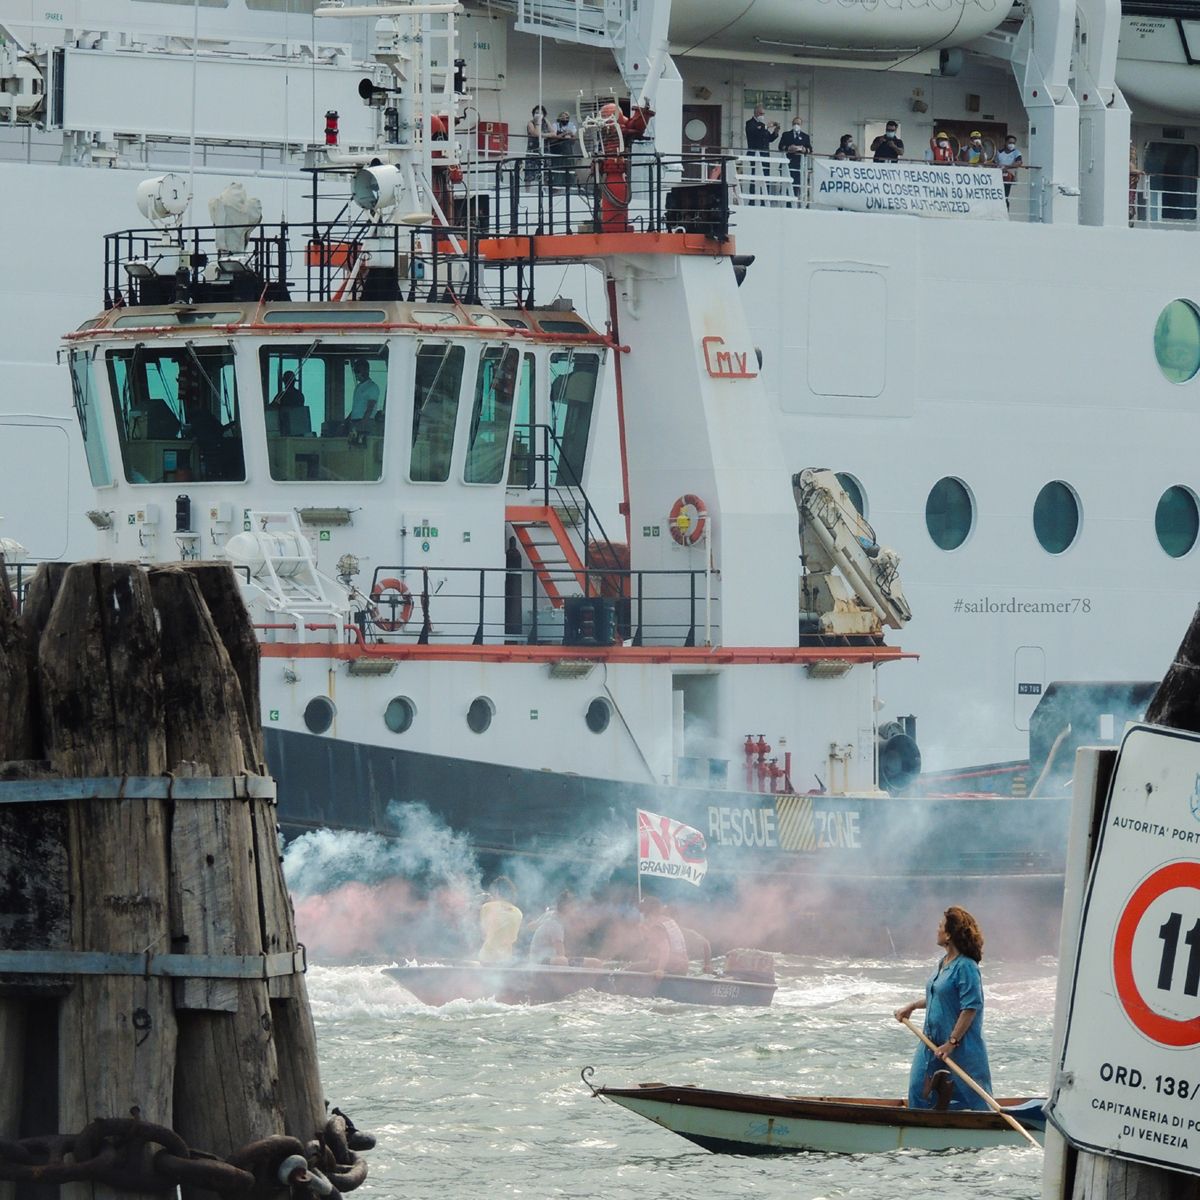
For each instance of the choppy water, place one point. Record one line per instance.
(482, 1100)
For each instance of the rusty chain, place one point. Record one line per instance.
(120, 1152)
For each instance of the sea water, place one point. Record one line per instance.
(483, 1099)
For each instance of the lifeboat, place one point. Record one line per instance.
(826, 28)
(1156, 64)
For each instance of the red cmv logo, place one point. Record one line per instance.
(726, 364)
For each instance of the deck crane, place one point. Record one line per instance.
(850, 587)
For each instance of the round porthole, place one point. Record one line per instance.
(1177, 341)
(598, 715)
(695, 130)
(399, 714)
(1177, 520)
(1056, 516)
(949, 513)
(479, 715)
(854, 490)
(319, 713)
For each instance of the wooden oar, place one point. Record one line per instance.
(991, 1103)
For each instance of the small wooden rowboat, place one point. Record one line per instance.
(439, 983)
(736, 1123)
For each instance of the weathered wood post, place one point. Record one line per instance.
(150, 903)
(1076, 1173)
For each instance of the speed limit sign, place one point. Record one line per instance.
(1129, 1080)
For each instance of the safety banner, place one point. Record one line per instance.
(922, 189)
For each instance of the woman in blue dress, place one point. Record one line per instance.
(953, 1019)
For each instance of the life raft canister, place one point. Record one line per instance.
(393, 597)
(688, 517)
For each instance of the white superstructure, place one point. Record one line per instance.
(951, 370)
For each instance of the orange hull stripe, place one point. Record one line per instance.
(753, 655)
(596, 245)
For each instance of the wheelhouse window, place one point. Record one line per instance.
(437, 383)
(324, 408)
(491, 417)
(83, 391)
(573, 378)
(520, 470)
(177, 413)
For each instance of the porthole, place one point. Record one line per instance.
(854, 490)
(319, 713)
(1056, 516)
(1177, 341)
(949, 513)
(1177, 520)
(599, 713)
(479, 715)
(399, 714)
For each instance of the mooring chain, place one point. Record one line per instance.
(117, 1151)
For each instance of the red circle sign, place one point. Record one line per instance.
(1165, 1030)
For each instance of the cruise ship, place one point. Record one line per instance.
(1011, 401)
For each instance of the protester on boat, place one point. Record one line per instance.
(698, 946)
(664, 950)
(846, 148)
(549, 943)
(500, 921)
(953, 1019)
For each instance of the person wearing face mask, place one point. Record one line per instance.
(846, 148)
(888, 146)
(795, 143)
(942, 152)
(760, 133)
(973, 153)
(1008, 160)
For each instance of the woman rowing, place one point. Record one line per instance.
(953, 1019)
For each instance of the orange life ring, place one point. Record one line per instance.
(688, 517)
(400, 605)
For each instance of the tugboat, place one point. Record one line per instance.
(384, 419)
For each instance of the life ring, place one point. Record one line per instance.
(395, 596)
(688, 517)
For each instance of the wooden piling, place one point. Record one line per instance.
(163, 845)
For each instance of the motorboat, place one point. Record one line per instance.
(527, 983)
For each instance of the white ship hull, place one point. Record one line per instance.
(1004, 355)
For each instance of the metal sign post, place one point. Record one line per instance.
(1129, 1080)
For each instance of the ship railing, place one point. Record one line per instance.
(1158, 200)
(583, 21)
(636, 190)
(771, 180)
(530, 606)
(351, 258)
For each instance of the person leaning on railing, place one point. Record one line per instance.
(846, 148)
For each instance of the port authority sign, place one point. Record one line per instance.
(1129, 1079)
